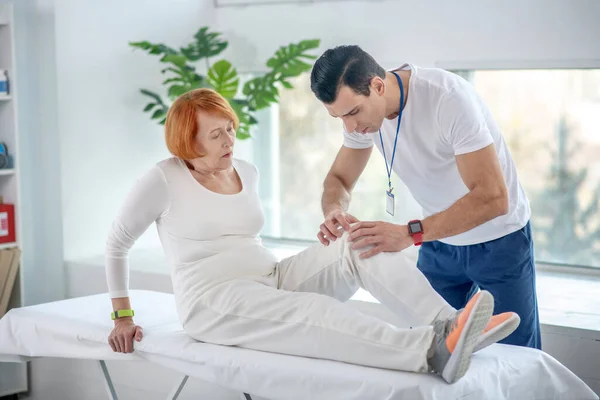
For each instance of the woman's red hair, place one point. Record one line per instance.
(181, 125)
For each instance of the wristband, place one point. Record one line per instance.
(121, 313)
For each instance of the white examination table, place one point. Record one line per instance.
(79, 327)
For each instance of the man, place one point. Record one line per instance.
(439, 137)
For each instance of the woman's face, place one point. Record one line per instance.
(214, 140)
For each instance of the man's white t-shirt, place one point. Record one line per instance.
(445, 117)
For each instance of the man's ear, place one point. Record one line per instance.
(378, 85)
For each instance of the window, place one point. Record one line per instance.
(308, 141)
(550, 120)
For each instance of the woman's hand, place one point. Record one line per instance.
(122, 335)
(329, 230)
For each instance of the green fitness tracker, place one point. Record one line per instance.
(121, 313)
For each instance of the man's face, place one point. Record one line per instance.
(360, 114)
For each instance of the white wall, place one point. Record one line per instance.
(80, 110)
(80, 107)
(422, 32)
(86, 139)
(40, 160)
(106, 142)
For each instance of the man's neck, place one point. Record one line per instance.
(393, 92)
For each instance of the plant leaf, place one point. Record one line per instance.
(177, 90)
(286, 84)
(179, 72)
(287, 60)
(158, 114)
(186, 75)
(176, 59)
(246, 119)
(206, 45)
(153, 95)
(261, 92)
(243, 133)
(153, 48)
(145, 45)
(223, 78)
(240, 108)
(171, 80)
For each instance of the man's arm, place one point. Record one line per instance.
(486, 200)
(343, 175)
(337, 188)
(463, 126)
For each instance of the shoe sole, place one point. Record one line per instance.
(460, 360)
(499, 332)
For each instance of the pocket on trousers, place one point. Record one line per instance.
(506, 258)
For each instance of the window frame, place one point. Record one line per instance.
(467, 69)
(266, 156)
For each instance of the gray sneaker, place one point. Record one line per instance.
(499, 327)
(455, 338)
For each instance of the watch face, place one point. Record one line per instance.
(415, 227)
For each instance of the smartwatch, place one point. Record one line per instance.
(415, 229)
(121, 313)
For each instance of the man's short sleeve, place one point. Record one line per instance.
(357, 140)
(462, 121)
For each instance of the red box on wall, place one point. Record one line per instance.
(7, 223)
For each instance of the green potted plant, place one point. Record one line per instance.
(257, 93)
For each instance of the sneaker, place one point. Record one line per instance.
(499, 327)
(456, 338)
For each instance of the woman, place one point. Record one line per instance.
(230, 290)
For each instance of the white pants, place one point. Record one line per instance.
(299, 309)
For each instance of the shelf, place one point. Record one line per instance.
(7, 245)
(13, 376)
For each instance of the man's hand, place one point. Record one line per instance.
(122, 336)
(385, 236)
(330, 229)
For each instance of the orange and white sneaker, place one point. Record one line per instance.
(499, 327)
(455, 338)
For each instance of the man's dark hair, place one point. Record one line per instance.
(343, 65)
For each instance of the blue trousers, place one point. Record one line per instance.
(504, 267)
